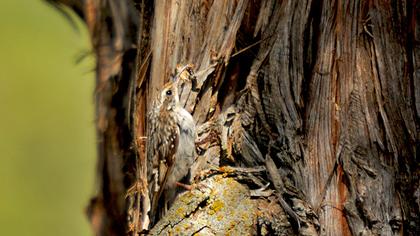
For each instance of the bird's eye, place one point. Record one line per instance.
(169, 92)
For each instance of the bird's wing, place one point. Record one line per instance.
(151, 148)
(163, 138)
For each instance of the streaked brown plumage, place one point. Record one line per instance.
(170, 147)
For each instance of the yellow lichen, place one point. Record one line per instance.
(187, 226)
(180, 211)
(217, 205)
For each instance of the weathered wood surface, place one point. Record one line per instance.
(329, 90)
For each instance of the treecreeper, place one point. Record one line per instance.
(171, 135)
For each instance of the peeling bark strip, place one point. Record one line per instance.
(327, 91)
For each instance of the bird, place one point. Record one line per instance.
(170, 147)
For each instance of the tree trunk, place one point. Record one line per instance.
(319, 98)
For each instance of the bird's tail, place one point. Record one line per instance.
(154, 214)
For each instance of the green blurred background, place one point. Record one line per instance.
(47, 137)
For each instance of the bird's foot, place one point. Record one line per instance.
(190, 187)
(185, 186)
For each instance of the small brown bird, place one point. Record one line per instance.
(170, 147)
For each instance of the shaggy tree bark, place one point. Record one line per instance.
(319, 98)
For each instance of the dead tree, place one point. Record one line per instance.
(320, 99)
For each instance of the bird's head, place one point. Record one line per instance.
(169, 96)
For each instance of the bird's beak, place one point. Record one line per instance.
(177, 76)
